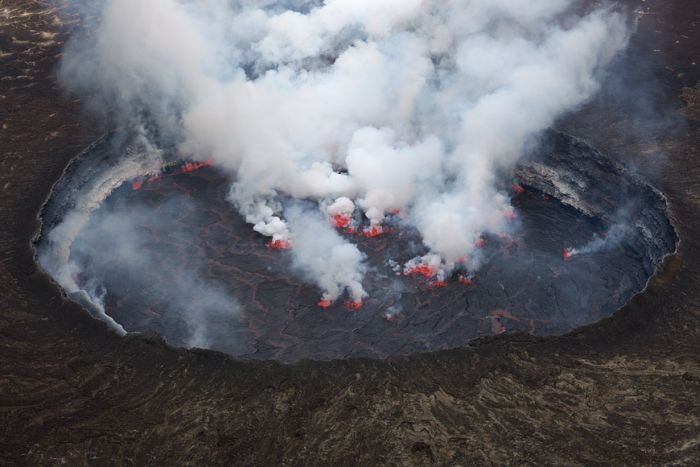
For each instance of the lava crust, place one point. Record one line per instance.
(573, 197)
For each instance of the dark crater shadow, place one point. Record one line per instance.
(173, 257)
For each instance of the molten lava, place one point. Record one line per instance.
(480, 243)
(466, 280)
(325, 304)
(373, 231)
(353, 305)
(342, 221)
(280, 245)
(568, 254)
(438, 284)
(422, 270)
(192, 166)
(186, 168)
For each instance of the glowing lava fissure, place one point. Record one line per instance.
(280, 245)
(179, 169)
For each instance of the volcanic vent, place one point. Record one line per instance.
(167, 253)
(373, 149)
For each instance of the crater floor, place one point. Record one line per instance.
(172, 256)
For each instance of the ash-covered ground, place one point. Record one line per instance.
(170, 255)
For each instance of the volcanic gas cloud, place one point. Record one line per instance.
(364, 107)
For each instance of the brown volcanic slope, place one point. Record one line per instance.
(625, 390)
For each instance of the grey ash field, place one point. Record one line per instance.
(623, 390)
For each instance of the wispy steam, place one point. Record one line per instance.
(117, 244)
(411, 105)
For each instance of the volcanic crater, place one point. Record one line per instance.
(588, 235)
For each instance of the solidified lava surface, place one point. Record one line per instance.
(193, 259)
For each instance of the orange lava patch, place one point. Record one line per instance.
(568, 254)
(480, 243)
(280, 245)
(325, 304)
(466, 280)
(342, 221)
(354, 306)
(192, 166)
(374, 231)
(518, 189)
(438, 285)
(137, 185)
(422, 270)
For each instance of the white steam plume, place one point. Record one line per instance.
(332, 263)
(419, 102)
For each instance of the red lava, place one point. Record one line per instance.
(438, 284)
(480, 243)
(568, 254)
(374, 231)
(422, 270)
(280, 245)
(466, 280)
(325, 304)
(342, 221)
(353, 306)
(186, 168)
(192, 166)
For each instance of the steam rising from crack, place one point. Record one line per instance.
(383, 105)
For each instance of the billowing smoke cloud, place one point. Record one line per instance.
(410, 105)
(320, 252)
